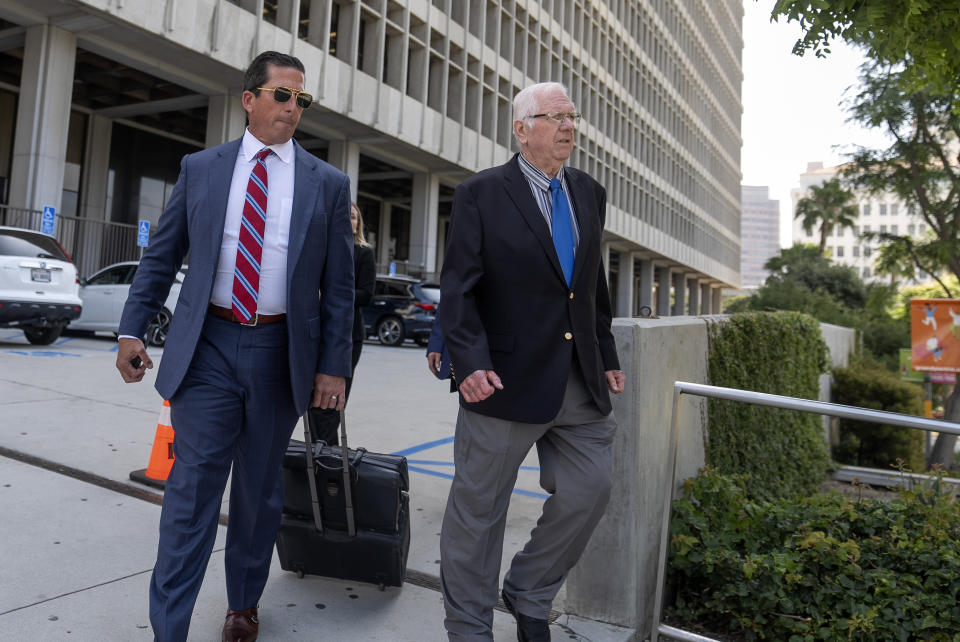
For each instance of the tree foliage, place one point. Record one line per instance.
(924, 35)
(828, 206)
(802, 280)
(920, 167)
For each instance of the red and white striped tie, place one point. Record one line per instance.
(246, 274)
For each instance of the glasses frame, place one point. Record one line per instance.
(294, 93)
(552, 116)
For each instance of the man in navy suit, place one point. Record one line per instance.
(526, 319)
(262, 330)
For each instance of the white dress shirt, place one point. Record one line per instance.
(273, 263)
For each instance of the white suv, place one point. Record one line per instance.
(39, 288)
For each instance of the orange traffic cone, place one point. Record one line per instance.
(161, 457)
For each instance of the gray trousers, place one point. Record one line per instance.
(575, 451)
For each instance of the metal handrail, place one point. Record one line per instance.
(758, 399)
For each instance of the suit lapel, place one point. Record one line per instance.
(219, 180)
(306, 183)
(583, 210)
(518, 188)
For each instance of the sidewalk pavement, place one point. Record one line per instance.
(79, 544)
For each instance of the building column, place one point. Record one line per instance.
(605, 257)
(423, 221)
(693, 286)
(645, 288)
(226, 119)
(706, 305)
(96, 164)
(43, 118)
(288, 16)
(716, 297)
(679, 294)
(345, 156)
(663, 291)
(383, 237)
(625, 285)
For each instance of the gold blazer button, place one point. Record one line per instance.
(567, 336)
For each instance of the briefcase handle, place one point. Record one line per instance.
(354, 461)
(312, 475)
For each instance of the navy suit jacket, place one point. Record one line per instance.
(319, 260)
(506, 305)
(435, 344)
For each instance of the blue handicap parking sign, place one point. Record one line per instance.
(48, 222)
(143, 234)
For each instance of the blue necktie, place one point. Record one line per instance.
(562, 229)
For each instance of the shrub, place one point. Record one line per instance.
(815, 568)
(868, 384)
(783, 452)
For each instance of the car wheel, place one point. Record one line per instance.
(43, 336)
(390, 331)
(158, 328)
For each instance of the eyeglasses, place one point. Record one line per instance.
(560, 117)
(283, 94)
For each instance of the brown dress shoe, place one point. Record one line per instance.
(241, 626)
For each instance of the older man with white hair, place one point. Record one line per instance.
(526, 319)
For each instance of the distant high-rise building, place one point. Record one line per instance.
(759, 233)
(876, 213)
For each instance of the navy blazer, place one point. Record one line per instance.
(506, 305)
(435, 344)
(319, 260)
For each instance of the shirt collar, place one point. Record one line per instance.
(535, 175)
(251, 145)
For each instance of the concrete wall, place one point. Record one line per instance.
(616, 579)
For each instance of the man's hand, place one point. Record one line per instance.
(480, 385)
(615, 380)
(433, 362)
(129, 350)
(328, 391)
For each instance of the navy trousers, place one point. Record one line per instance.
(234, 408)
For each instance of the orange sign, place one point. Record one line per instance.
(935, 334)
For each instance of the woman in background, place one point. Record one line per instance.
(324, 422)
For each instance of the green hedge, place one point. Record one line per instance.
(815, 568)
(867, 384)
(783, 452)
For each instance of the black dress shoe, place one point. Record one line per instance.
(529, 629)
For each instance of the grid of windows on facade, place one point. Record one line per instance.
(658, 86)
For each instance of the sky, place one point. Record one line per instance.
(792, 107)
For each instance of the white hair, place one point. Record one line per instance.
(527, 101)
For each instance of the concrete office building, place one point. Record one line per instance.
(99, 99)
(876, 214)
(759, 234)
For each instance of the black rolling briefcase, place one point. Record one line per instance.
(346, 512)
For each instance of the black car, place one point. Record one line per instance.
(399, 310)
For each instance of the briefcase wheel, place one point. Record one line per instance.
(383, 587)
(300, 573)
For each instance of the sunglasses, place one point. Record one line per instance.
(283, 94)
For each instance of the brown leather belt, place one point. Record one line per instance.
(258, 319)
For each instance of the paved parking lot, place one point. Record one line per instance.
(79, 549)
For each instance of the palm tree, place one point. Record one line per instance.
(828, 206)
